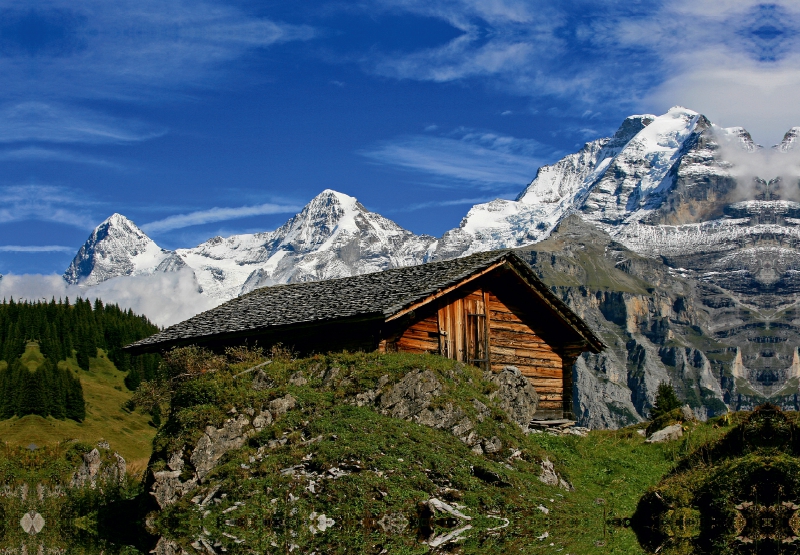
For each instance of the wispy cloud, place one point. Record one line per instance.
(38, 121)
(127, 48)
(216, 215)
(485, 160)
(37, 153)
(441, 203)
(735, 60)
(35, 248)
(45, 203)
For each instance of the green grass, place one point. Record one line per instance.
(400, 464)
(105, 393)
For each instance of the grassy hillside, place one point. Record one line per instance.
(372, 474)
(105, 393)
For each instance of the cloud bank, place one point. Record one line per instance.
(165, 298)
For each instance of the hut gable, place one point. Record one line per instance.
(488, 309)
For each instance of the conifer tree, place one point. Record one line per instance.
(666, 400)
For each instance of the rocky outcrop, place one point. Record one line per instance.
(515, 394)
(412, 398)
(215, 442)
(183, 474)
(98, 468)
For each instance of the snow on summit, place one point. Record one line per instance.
(658, 182)
(117, 247)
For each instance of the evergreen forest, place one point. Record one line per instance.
(64, 330)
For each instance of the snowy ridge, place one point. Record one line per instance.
(660, 186)
(789, 141)
(333, 236)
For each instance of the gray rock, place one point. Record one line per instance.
(412, 398)
(492, 445)
(393, 523)
(550, 477)
(93, 470)
(411, 395)
(483, 410)
(262, 381)
(175, 461)
(368, 397)
(282, 405)
(167, 547)
(298, 379)
(263, 420)
(515, 394)
(214, 443)
(166, 487)
(670, 433)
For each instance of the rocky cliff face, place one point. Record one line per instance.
(662, 325)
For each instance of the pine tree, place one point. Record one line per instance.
(64, 330)
(666, 400)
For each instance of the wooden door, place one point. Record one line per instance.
(463, 329)
(451, 329)
(476, 344)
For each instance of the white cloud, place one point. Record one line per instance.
(486, 160)
(129, 49)
(35, 248)
(734, 60)
(45, 203)
(216, 215)
(760, 98)
(39, 121)
(165, 298)
(437, 203)
(36, 153)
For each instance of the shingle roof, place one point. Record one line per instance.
(376, 294)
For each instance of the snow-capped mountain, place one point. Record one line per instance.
(333, 236)
(614, 182)
(118, 248)
(660, 185)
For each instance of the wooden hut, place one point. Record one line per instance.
(488, 309)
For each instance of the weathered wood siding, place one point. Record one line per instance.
(492, 324)
(421, 337)
(514, 342)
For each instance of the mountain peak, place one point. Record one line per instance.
(116, 247)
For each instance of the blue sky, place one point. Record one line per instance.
(215, 117)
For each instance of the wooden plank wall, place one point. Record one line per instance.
(420, 337)
(513, 342)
